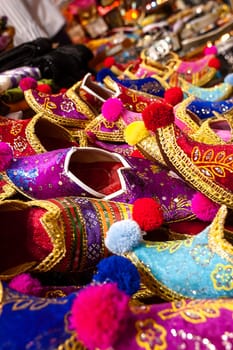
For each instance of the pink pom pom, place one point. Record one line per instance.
(44, 88)
(203, 207)
(210, 50)
(112, 108)
(27, 83)
(26, 284)
(173, 95)
(99, 315)
(6, 155)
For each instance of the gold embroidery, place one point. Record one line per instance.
(51, 221)
(48, 106)
(195, 311)
(23, 301)
(189, 171)
(152, 286)
(16, 128)
(212, 165)
(49, 127)
(72, 344)
(216, 237)
(173, 246)
(150, 335)
(221, 277)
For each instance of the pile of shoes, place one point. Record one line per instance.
(116, 197)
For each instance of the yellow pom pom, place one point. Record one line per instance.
(135, 132)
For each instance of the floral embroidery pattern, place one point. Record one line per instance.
(195, 311)
(21, 302)
(47, 103)
(177, 208)
(67, 106)
(16, 129)
(20, 144)
(150, 335)
(212, 164)
(201, 254)
(222, 277)
(173, 246)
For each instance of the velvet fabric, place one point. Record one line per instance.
(48, 175)
(44, 323)
(29, 322)
(205, 109)
(205, 324)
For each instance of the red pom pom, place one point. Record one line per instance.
(214, 63)
(147, 213)
(109, 62)
(210, 50)
(157, 115)
(99, 315)
(27, 83)
(26, 284)
(44, 88)
(204, 208)
(111, 109)
(6, 156)
(174, 95)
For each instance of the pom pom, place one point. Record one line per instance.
(123, 236)
(120, 270)
(109, 62)
(6, 156)
(147, 213)
(214, 63)
(203, 207)
(103, 73)
(229, 79)
(135, 132)
(25, 283)
(210, 50)
(44, 88)
(111, 109)
(27, 83)
(173, 95)
(157, 115)
(99, 315)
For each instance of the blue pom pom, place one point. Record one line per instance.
(120, 270)
(123, 236)
(229, 79)
(103, 73)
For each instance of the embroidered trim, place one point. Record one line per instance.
(188, 170)
(55, 129)
(54, 227)
(217, 242)
(180, 111)
(113, 136)
(153, 285)
(81, 107)
(72, 344)
(150, 149)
